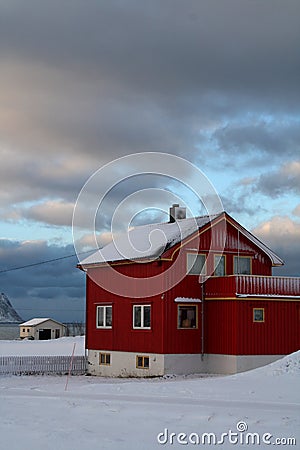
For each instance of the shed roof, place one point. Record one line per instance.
(151, 241)
(38, 321)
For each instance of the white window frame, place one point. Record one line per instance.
(105, 308)
(142, 327)
(189, 264)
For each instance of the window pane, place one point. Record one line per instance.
(108, 321)
(258, 315)
(245, 266)
(140, 361)
(219, 265)
(195, 263)
(146, 362)
(102, 358)
(100, 316)
(187, 316)
(137, 316)
(242, 265)
(147, 316)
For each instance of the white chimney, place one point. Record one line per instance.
(177, 212)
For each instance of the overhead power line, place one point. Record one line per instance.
(45, 261)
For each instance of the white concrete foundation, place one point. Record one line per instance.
(215, 364)
(123, 364)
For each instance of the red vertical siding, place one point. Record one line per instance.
(278, 334)
(122, 336)
(220, 331)
(229, 327)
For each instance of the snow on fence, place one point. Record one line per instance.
(42, 365)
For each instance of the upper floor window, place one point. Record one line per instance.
(104, 316)
(219, 265)
(142, 316)
(195, 264)
(242, 265)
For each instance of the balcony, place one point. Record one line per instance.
(244, 286)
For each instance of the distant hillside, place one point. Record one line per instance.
(7, 312)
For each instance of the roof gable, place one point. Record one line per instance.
(275, 259)
(149, 242)
(38, 321)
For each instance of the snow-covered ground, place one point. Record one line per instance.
(36, 412)
(55, 347)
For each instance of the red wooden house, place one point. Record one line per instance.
(199, 296)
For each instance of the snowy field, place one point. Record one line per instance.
(36, 412)
(55, 347)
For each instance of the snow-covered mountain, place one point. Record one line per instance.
(7, 312)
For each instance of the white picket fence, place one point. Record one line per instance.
(45, 365)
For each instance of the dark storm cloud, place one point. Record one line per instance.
(285, 180)
(116, 77)
(55, 289)
(167, 45)
(259, 137)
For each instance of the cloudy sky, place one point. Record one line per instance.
(86, 82)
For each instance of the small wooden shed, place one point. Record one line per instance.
(42, 329)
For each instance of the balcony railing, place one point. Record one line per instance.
(253, 286)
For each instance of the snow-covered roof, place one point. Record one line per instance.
(151, 241)
(37, 321)
(147, 241)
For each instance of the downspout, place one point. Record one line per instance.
(202, 319)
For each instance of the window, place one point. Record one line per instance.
(23, 330)
(104, 359)
(219, 265)
(142, 362)
(142, 316)
(258, 314)
(195, 264)
(104, 316)
(242, 265)
(187, 316)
